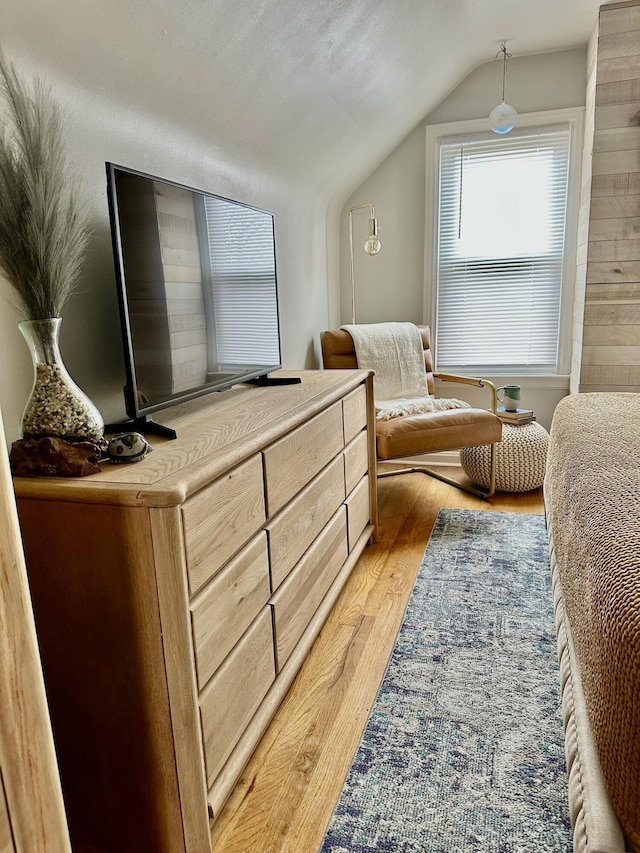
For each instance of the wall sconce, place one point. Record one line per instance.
(503, 118)
(372, 246)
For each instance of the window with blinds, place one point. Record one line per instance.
(242, 301)
(500, 249)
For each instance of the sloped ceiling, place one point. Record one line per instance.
(316, 91)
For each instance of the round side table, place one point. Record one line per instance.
(521, 459)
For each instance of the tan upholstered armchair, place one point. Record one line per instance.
(427, 432)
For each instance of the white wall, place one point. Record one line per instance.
(101, 126)
(389, 286)
(129, 85)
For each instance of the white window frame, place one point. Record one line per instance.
(434, 133)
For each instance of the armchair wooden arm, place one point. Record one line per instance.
(471, 380)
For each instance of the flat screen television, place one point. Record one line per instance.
(197, 291)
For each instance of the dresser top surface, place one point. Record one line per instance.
(214, 433)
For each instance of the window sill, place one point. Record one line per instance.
(533, 382)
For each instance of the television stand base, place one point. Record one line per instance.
(144, 425)
(266, 380)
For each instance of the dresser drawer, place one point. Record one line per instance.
(356, 460)
(293, 530)
(299, 596)
(294, 460)
(233, 695)
(228, 605)
(219, 519)
(354, 413)
(358, 511)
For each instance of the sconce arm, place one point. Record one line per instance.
(372, 218)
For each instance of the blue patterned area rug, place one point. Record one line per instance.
(464, 748)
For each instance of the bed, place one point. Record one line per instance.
(592, 502)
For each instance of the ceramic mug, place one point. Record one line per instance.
(511, 398)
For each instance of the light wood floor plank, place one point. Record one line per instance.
(286, 795)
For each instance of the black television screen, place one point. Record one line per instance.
(197, 291)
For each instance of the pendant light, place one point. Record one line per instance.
(503, 118)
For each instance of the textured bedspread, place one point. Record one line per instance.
(592, 493)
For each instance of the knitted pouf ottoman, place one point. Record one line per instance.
(520, 461)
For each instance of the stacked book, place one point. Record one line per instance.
(517, 418)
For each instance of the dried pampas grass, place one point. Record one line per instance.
(43, 224)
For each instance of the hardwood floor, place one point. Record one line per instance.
(285, 798)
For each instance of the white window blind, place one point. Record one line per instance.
(501, 236)
(243, 283)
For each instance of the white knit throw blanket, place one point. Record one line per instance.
(394, 352)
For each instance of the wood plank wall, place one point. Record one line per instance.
(164, 285)
(182, 267)
(145, 285)
(607, 347)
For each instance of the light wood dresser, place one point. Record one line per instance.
(176, 598)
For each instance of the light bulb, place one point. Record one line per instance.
(503, 118)
(372, 245)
